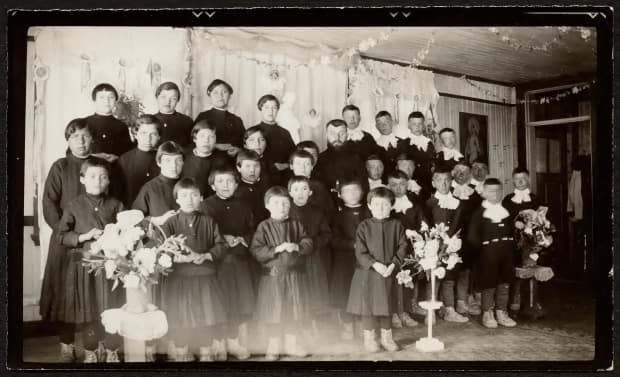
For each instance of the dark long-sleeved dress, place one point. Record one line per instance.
(443, 164)
(424, 161)
(316, 225)
(495, 263)
(452, 218)
(322, 199)
(388, 156)
(343, 245)
(176, 127)
(253, 195)
(110, 135)
(136, 167)
(380, 241)
(61, 186)
(192, 296)
(283, 287)
(199, 168)
(229, 128)
(234, 273)
(156, 197)
(365, 147)
(468, 252)
(86, 295)
(335, 165)
(280, 144)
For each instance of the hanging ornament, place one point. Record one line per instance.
(122, 77)
(41, 74)
(85, 72)
(312, 119)
(154, 72)
(277, 83)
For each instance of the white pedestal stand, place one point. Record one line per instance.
(428, 343)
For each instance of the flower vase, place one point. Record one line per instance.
(138, 300)
(428, 343)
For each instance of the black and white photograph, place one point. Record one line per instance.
(215, 194)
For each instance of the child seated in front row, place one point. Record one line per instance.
(192, 297)
(491, 231)
(280, 245)
(82, 222)
(345, 223)
(411, 215)
(316, 225)
(380, 247)
(236, 223)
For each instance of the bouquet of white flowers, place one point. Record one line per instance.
(121, 252)
(433, 250)
(533, 234)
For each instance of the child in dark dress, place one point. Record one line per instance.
(254, 140)
(345, 223)
(61, 186)
(280, 245)
(236, 224)
(380, 246)
(317, 227)
(491, 231)
(280, 143)
(448, 156)
(87, 295)
(421, 149)
(175, 126)
(251, 187)
(204, 157)
(192, 297)
(138, 166)
(411, 215)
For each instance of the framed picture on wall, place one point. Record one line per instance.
(473, 131)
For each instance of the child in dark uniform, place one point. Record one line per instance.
(156, 198)
(421, 149)
(110, 136)
(345, 223)
(443, 207)
(204, 157)
(521, 198)
(375, 169)
(251, 188)
(254, 140)
(138, 166)
(411, 215)
(491, 230)
(280, 143)
(479, 172)
(415, 190)
(389, 144)
(317, 227)
(61, 186)
(380, 246)
(448, 156)
(280, 244)
(87, 295)
(192, 297)
(236, 224)
(359, 141)
(175, 126)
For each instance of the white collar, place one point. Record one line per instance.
(462, 192)
(477, 184)
(494, 212)
(451, 154)
(385, 141)
(446, 201)
(419, 141)
(373, 183)
(521, 196)
(413, 186)
(402, 204)
(355, 135)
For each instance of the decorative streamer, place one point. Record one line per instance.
(122, 76)
(187, 74)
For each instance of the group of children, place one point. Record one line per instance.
(281, 235)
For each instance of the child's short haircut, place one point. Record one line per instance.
(246, 155)
(251, 131)
(480, 161)
(382, 114)
(463, 162)
(416, 114)
(202, 124)
(94, 162)
(336, 123)
(169, 148)
(373, 157)
(183, 184)
(404, 157)
(217, 82)
(168, 85)
(267, 98)
(519, 170)
(221, 171)
(76, 125)
(380, 192)
(275, 191)
(297, 179)
(348, 182)
(397, 174)
(307, 144)
(441, 170)
(492, 182)
(351, 108)
(103, 87)
(147, 119)
(301, 153)
(446, 129)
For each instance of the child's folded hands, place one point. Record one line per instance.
(200, 258)
(382, 269)
(389, 270)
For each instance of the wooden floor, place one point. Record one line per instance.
(567, 333)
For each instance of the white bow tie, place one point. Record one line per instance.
(446, 201)
(373, 183)
(477, 184)
(355, 135)
(385, 141)
(521, 196)
(419, 141)
(452, 154)
(402, 204)
(462, 192)
(494, 212)
(413, 186)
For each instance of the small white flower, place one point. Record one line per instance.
(454, 244)
(165, 261)
(404, 277)
(428, 263)
(453, 259)
(423, 227)
(439, 272)
(110, 267)
(431, 248)
(123, 251)
(534, 257)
